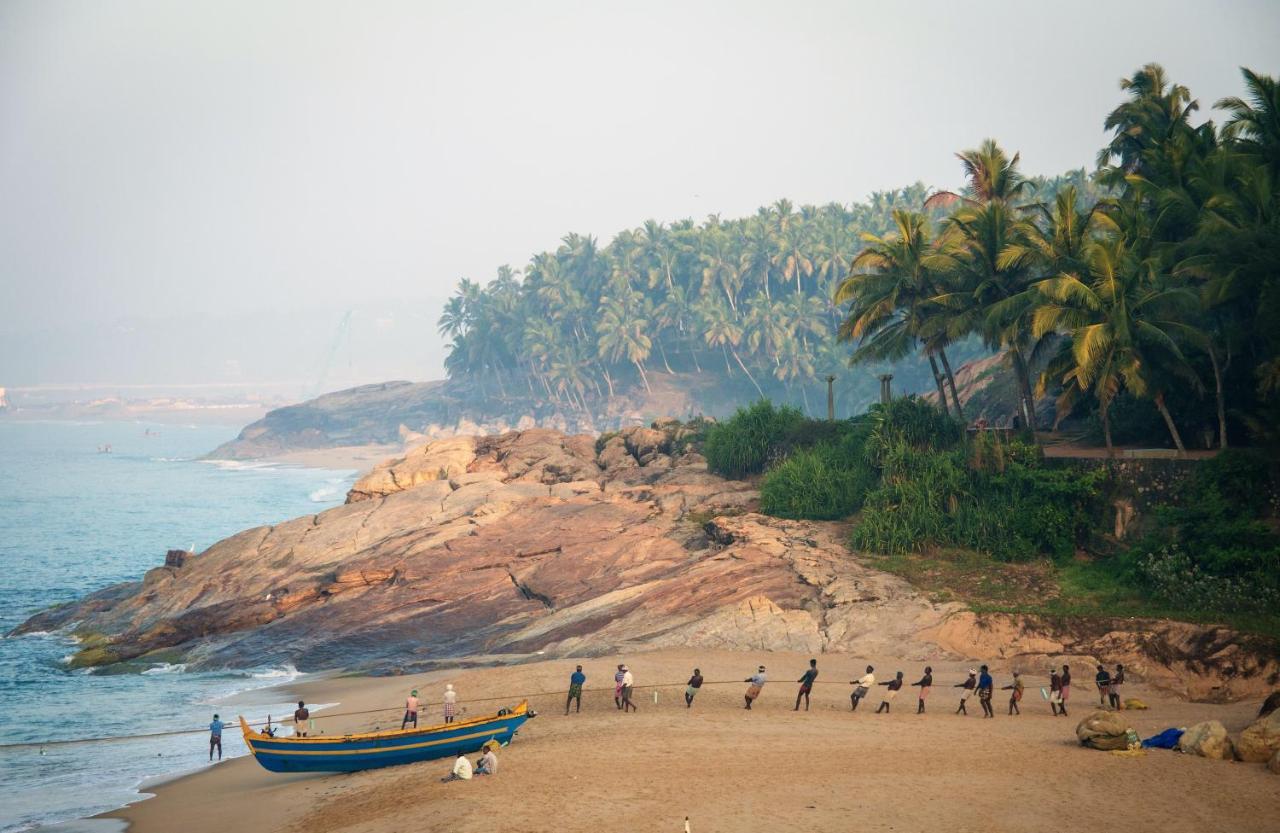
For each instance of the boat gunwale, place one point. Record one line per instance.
(253, 736)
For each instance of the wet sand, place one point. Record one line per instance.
(728, 769)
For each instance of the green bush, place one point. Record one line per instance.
(822, 483)
(911, 421)
(751, 439)
(1173, 577)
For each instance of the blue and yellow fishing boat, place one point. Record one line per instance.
(348, 753)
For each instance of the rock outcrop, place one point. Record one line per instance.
(529, 541)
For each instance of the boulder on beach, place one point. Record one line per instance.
(1272, 703)
(1103, 730)
(1208, 740)
(1261, 741)
(1274, 763)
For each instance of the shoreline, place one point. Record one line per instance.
(358, 458)
(901, 768)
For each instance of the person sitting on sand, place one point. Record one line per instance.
(925, 683)
(861, 686)
(300, 718)
(461, 769)
(691, 690)
(894, 686)
(757, 681)
(1113, 693)
(1055, 693)
(449, 703)
(576, 680)
(967, 688)
(1103, 681)
(985, 687)
(215, 737)
(617, 684)
(488, 763)
(410, 710)
(628, 685)
(1015, 687)
(806, 685)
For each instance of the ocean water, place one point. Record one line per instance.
(72, 520)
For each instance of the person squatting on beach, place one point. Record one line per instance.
(691, 689)
(757, 681)
(860, 688)
(806, 685)
(300, 718)
(1113, 693)
(488, 762)
(215, 737)
(576, 680)
(449, 702)
(966, 688)
(925, 683)
(895, 685)
(410, 710)
(628, 685)
(617, 685)
(1055, 693)
(1103, 681)
(985, 686)
(1015, 687)
(461, 769)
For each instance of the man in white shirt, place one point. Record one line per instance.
(628, 683)
(461, 769)
(488, 763)
(861, 686)
(757, 681)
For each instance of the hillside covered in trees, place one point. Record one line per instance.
(1149, 280)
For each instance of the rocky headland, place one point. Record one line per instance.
(498, 548)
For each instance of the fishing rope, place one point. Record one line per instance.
(328, 715)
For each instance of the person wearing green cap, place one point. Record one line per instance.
(410, 710)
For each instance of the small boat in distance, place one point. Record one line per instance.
(370, 750)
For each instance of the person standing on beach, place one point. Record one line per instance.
(925, 683)
(628, 684)
(576, 681)
(985, 687)
(1103, 681)
(1015, 687)
(895, 685)
(410, 710)
(300, 718)
(806, 685)
(1066, 687)
(691, 690)
(450, 703)
(757, 681)
(967, 688)
(1055, 693)
(861, 686)
(215, 737)
(617, 684)
(1113, 694)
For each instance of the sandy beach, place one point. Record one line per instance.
(358, 457)
(728, 769)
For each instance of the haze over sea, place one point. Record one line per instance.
(73, 520)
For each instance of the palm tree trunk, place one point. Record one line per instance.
(1104, 410)
(1222, 408)
(1168, 421)
(663, 351)
(937, 380)
(608, 380)
(644, 377)
(748, 372)
(727, 369)
(951, 382)
(1024, 388)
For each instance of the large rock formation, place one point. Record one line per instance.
(539, 541)
(1260, 742)
(507, 545)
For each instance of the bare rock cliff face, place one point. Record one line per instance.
(540, 541)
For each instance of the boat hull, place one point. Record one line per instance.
(370, 751)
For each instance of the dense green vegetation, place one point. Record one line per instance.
(1163, 290)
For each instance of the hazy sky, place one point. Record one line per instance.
(192, 191)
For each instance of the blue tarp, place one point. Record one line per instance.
(1168, 739)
